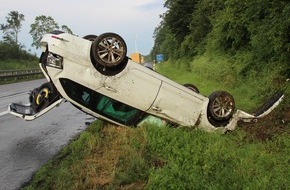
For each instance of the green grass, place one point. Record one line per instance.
(18, 64)
(102, 156)
(254, 156)
(150, 157)
(198, 160)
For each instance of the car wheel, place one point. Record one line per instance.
(109, 50)
(192, 87)
(42, 96)
(221, 107)
(90, 37)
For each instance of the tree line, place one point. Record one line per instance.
(260, 28)
(11, 48)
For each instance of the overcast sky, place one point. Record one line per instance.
(134, 20)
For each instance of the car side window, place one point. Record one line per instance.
(78, 93)
(114, 109)
(101, 104)
(86, 97)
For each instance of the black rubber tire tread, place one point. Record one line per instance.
(90, 37)
(52, 94)
(214, 119)
(192, 87)
(96, 46)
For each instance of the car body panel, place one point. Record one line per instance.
(132, 84)
(134, 87)
(178, 99)
(68, 46)
(27, 113)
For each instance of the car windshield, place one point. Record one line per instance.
(101, 104)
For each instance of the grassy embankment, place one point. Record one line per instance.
(255, 156)
(14, 64)
(18, 64)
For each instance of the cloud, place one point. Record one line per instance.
(129, 18)
(151, 6)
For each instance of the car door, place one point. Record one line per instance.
(136, 87)
(178, 104)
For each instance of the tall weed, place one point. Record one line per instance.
(199, 160)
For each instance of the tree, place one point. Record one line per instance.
(12, 28)
(259, 28)
(42, 25)
(178, 17)
(66, 29)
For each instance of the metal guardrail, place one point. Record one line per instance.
(8, 75)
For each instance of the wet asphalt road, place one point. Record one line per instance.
(27, 145)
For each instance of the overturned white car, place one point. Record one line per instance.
(96, 76)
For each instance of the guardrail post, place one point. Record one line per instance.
(8, 75)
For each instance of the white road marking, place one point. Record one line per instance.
(3, 113)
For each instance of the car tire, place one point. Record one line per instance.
(192, 87)
(90, 37)
(220, 108)
(41, 97)
(109, 50)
